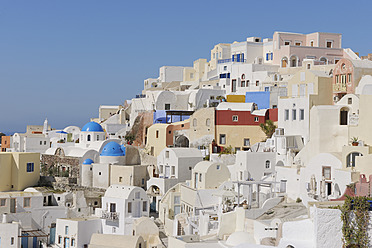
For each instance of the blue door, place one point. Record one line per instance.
(34, 242)
(25, 241)
(52, 235)
(67, 243)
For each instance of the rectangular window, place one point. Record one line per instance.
(177, 199)
(222, 139)
(177, 210)
(329, 43)
(241, 175)
(349, 77)
(302, 114)
(137, 195)
(12, 240)
(166, 154)
(267, 89)
(144, 206)
(243, 84)
(41, 142)
(287, 43)
(27, 202)
(157, 134)
(286, 114)
(66, 230)
(72, 242)
(120, 179)
(257, 83)
(247, 83)
(235, 118)
(30, 167)
(256, 119)
(129, 207)
(167, 106)
(2, 202)
(44, 142)
(294, 114)
(247, 142)
(350, 100)
(200, 177)
(298, 43)
(173, 168)
(59, 239)
(327, 172)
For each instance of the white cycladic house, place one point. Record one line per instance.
(76, 232)
(121, 205)
(174, 165)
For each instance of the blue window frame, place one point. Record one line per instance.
(30, 167)
(267, 56)
(267, 88)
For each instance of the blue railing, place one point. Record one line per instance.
(222, 61)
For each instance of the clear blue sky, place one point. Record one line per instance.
(62, 59)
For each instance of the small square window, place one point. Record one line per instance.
(247, 142)
(99, 173)
(350, 100)
(167, 106)
(2, 202)
(235, 118)
(30, 167)
(218, 167)
(287, 43)
(256, 119)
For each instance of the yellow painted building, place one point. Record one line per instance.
(235, 98)
(19, 170)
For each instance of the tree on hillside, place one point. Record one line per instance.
(268, 128)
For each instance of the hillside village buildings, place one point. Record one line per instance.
(248, 148)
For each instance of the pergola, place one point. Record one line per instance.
(258, 184)
(180, 113)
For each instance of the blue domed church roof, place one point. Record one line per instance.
(88, 161)
(113, 149)
(92, 127)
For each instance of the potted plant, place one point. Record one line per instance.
(354, 141)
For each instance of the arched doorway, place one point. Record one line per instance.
(284, 62)
(294, 61)
(181, 141)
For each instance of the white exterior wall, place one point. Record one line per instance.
(80, 230)
(171, 73)
(252, 165)
(103, 180)
(7, 232)
(294, 127)
(86, 175)
(124, 226)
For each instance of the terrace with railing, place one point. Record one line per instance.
(113, 216)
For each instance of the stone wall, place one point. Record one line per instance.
(56, 161)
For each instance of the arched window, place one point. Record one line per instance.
(194, 122)
(267, 164)
(284, 62)
(350, 158)
(208, 122)
(324, 60)
(243, 76)
(88, 137)
(293, 61)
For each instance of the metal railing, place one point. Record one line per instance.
(114, 216)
